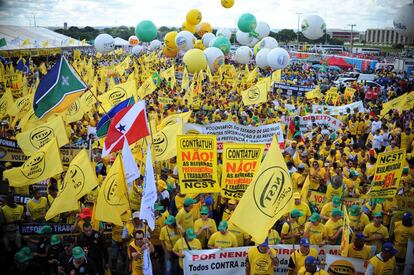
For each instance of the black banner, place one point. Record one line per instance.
(57, 228)
(291, 90)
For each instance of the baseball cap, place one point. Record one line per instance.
(21, 257)
(135, 215)
(190, 233)
(222, 225)
(388, 247)
(265, 243)
(407, 216)
(405, 170)
(360, 236)
(296, 213)
(86, 213)
(158, 207)
(355, 210)
(204, 210)
(377, 215)
(169, 220)
(77, 252)
(315, 217)
(232, 201)
(189, 201)
(67, 240)
(296, 195)
(304, 242)
(46, 229)
(336, 201)
(54, 240)
(310, 260)
(337, 212)
(301, 166)
(353, 174)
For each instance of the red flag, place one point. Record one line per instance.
(130, 123)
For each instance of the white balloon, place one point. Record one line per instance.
(404, 21)
(215, 58)
(155, 45)
(211, 43)
(185, 40)
(254, 42)
(261, 58)
(137, 50)
(313, 27)
(243, 55)
(207, 37)
(262, 30)
(278, 58)
(269, 43)
(224, 32)
(104, 43)
(244, 38)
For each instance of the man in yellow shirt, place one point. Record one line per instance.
(169, 235)
(334, 227)
(261, 260)
(376, 233)
(327, 208)
(311, 267)
(358, 249)
(291, 232)
(204, 226)
(383, 263)
(184, 217)
(223, 238)
(13, 213)
(357, 219)
(403, 231)
(37, 207)
(303, 208)
(136, 250)
(231, 205)
(297, 258)
(241, 236)
(189, 242)
(315, 230)
(298, 177)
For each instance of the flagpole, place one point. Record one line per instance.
(100, 104)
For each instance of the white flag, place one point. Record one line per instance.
(149, 196)
(130, 166)
(147, 266)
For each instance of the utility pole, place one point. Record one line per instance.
(297, 39)
(352, 36)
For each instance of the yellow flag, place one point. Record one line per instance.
(117, 94)
(165, 141)
(268, 197)
(169, 73)
(146, 88)
(41, 165)
(76, 54)
(277, 76)
(346, 232)
(252, 75)
(185, 81)
(315, 93)
(80, 179)
(349, 93)
(32, 140)
(7, 106)
(174, 119)
(257, 93)
(88, 100)
(23, 105)
(112, 198)
(74, 112)
(43, 68)
(29, 121)
(305, 189)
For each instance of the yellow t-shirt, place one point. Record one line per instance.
(297, 179)
(381, 267)
(317, 233)
(117, 233)
(304, 208)
(203, 237)
(37, 210)
(137, 264)
(327, 210)
(260, 263)
(12, 215)
(185, 219)
(159, 223)
(238, 233)
(273, 237)
(402, 234)
(371, 230)
(292, 229)
(331, 192)
(299, 259)
(364, 253)
(169, 236)
(358, 223)
(181, 245)
(219, 240)
(333, 227)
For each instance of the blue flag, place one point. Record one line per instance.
(21, 66)
(103, 124)
(58, 89)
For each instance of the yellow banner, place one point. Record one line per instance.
(43, 164)
(197, 164)
(240, 162)
(388, 170)
(268, 197)
(32, 140)
(346, 232)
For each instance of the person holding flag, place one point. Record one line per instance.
(136, 251)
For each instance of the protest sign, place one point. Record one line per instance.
(388, 169)
(240, 162)
(197, 164)
(306, 122)
(345, 265)
(338, 110)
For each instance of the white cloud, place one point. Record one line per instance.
(279, 14)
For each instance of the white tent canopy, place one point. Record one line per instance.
(120, 42)
(18, 37)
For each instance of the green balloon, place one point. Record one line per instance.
(146, 31)
(247, 22)
(223, 44)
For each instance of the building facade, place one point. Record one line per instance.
(344, 35)
(385, 36)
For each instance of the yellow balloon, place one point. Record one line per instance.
(188, 27)
(168, 52)
(195, 60)
(194, 17)
(256, 48)
(199, 45)
(204, 28)
(169, 40)
(227, 3)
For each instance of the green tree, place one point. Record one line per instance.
(285, 35)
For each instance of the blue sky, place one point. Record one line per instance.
(278, 14)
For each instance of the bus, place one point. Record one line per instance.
(363, 50)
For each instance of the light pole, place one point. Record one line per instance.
(352, 36)
(297, 39)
